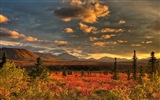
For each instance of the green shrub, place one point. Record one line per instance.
(13, 79)
(40, 71)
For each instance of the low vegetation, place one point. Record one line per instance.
(16, 83)
(39, 83)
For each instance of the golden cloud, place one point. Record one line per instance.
(88, 12)
(127, 56)
(11, 34)
(29, 38)
(9, 43)
(148, 42)
(69, 30)
(122, 41)
(93, 38)
(103, 44)
(122, 22)
(15, 35)
(61, 43)
(111, 42)
(107, 36)
(3, 19)
(136, 45)
(99, 44)
(109, 30)
(87, 29)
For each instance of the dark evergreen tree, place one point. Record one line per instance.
(4, 59)
(152, 62)
(39, 70)
(39, 61)
(64, 73)
(128, 74)
(134, 65)
(115, 70)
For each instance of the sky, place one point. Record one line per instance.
(83, 28)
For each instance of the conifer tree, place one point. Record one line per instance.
(134, 65)
(4, 59)
(64, 73)
(39, 70)
(128, 74)
(115, 69)
(39, 61)
(152, 61)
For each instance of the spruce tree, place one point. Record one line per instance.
(4, 59)
(128, 74)
(115, 69)
(152, 61)
(39, 70)
(134, 65)
(64, 73)
(39, 61)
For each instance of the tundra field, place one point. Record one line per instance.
(44, 83)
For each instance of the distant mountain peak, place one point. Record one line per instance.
(67, 56)
(110, 59)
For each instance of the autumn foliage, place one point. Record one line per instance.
(15, 83)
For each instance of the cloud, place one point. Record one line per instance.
(87, 29)
(100, 55)
(101, 38)
(136, 45)
(109, 30)
(57, 51)
(111, 42)
(107, 36)
(122, 41)
(147, 42)
(3, 19)
(15, 35)
(29, 38)
(10, 34)
(93, 38)
(122, 22)
(88, 12)
(61, 43)
(103, 44)
(69, 30)
(99, 44)
(9, 43)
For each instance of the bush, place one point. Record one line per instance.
(13, 80)
(40, 71)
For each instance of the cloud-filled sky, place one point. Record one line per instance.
(84, 28)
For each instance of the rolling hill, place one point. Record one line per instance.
(24, 54)
(46, 56)
(18, 54)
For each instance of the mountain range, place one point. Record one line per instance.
(24, 54)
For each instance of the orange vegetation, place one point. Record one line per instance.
(86, 84)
